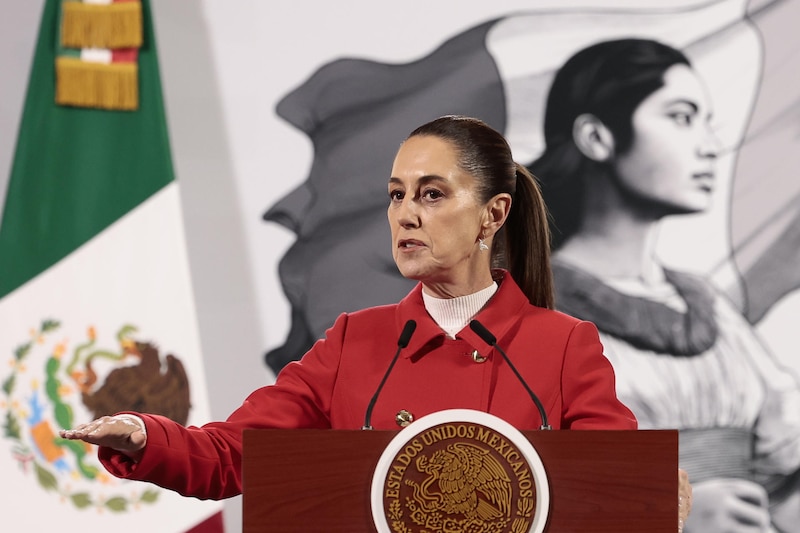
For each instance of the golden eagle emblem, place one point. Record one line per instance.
(460, 471)
(464, 479)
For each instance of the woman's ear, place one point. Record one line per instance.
(496, 213)
(592, 137)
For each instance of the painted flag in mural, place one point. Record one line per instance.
(356, 112)
(96, 306)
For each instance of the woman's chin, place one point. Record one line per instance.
(413, 271)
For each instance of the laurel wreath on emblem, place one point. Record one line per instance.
(48, 456)
(435, 521)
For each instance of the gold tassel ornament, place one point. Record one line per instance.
(97, 60)
(99, 85)
(116, 25)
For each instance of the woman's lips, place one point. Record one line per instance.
(409, 244)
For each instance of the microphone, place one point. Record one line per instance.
(402, 342)
(491, 340)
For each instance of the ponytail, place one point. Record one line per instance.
(526, 246)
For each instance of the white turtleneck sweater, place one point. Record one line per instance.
(453, 314)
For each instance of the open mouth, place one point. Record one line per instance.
(409, 243)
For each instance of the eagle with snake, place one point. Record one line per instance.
(464, 479)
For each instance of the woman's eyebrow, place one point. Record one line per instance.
(424, 180)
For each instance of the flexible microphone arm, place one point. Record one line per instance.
(491, 340)
(402, 342)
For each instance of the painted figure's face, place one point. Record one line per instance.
(434, 214)
(670, 163)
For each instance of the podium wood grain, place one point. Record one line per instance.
(309, 480)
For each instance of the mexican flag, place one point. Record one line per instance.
(96, 304)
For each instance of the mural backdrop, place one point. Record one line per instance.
(656, 133)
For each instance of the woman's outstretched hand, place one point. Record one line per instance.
(124, 433)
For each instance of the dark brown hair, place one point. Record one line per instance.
(523, 244)
(608, 80)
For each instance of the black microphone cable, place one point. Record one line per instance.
(491, 340)
(402, 342)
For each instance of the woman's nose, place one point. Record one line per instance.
(710, 144)
(406, 213)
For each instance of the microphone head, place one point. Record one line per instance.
(483, 333)
(405, 335)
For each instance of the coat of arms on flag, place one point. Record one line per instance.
(54, 383)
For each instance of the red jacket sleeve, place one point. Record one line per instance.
(588, 383)
(205, 462)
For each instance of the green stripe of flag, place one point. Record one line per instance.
(75, 170)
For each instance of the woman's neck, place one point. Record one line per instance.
(615, 246)
(446, 287)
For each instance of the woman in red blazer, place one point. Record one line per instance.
(459, 209)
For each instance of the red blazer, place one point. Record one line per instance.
(560, 358)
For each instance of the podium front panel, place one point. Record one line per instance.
(309, 480)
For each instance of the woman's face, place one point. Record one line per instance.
(435, 219)
(670, 164)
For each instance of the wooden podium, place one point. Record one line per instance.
(307, 480)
